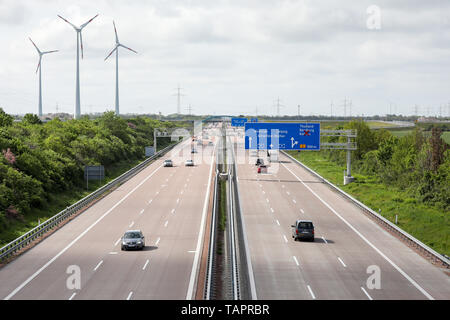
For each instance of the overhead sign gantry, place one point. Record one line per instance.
(282, 136)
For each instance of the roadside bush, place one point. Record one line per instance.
(38, 160)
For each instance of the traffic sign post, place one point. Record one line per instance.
(238, 122)
(282, 136)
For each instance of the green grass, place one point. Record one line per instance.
(446, 136)
(401, 133)
(223, 206)
(59, 202)
(380, 124)
(426, 223)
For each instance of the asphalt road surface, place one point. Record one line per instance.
(167, 204)
(347, 249)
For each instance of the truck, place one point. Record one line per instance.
(273, 155)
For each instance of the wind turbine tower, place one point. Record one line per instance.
(39, 68)
(116, 49)
(78, 30)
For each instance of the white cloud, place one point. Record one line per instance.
(230, 56)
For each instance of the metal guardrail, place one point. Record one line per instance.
(245, 283)
(235, 276)
(232, 223)
(430, 253)
(212, 241)
(54, 221)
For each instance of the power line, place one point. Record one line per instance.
(179, 95)
(347, 102)
(189, 109)
(279, 106)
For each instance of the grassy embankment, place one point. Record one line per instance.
(426, 223)
(59, 202)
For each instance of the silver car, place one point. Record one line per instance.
(168, 163)
(189, 163)
(133, 239)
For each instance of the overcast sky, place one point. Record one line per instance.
(230, 57)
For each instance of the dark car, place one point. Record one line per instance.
(133, 239)
(303, 229)
(259, 162)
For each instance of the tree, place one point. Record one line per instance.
(5, 119)
(31, 119)
(438, 147)
(365, 139)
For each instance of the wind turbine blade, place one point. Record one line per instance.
(85, 24)
(111, 53)
(35, 46)
(39, 65)
(50, 51)
(82, 50)
(115, 31)
(127, 48)
(68, 22)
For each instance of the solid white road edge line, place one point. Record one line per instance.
(72, 296)
(190, 292)
(403, 273)
(129, 296)
(34, 275)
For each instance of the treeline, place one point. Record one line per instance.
(39, 160)
(389, 117)
(417, 163)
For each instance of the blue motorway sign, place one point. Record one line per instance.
(238, 122)
(283, 136)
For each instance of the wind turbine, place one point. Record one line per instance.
(79, 39)
(116, 49)
(39, 68)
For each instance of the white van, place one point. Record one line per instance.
(273, 155)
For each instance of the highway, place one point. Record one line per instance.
(335, 265)
(171, 205)
(168, 204)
